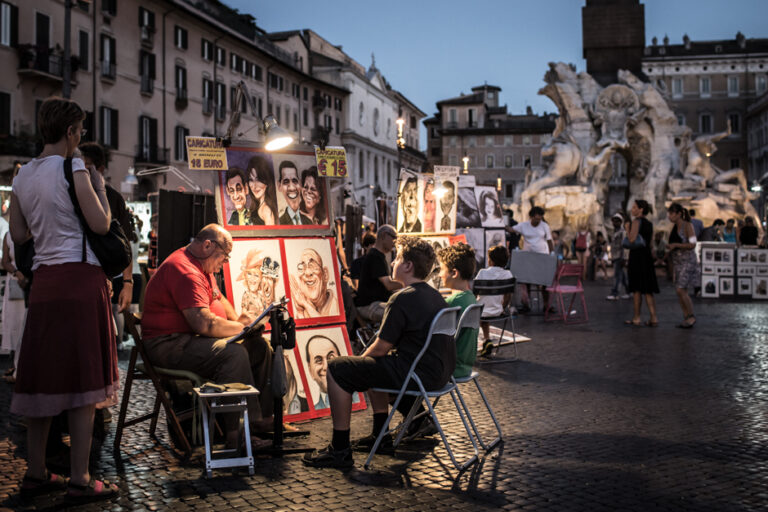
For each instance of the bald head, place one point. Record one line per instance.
(211, 247)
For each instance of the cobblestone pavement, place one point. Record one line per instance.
(597, 416)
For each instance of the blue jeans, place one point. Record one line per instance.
(619, 276)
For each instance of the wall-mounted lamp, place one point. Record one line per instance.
(466, 164)
(277, 138)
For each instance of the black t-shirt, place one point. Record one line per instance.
(407, 318)
(748, 235)
(119, 210)
(369, 288)
(354, 268)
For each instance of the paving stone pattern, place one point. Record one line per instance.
(597, 416)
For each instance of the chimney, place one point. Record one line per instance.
(528, 111)
(741, 40)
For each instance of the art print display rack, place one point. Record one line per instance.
(727, 271)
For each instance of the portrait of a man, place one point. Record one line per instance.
(312, 278)
(409, 206)
(318, 347)
(430, 208)
(290, 188)
(446, 205)
(238, 195)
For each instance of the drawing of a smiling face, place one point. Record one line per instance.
(313, 277)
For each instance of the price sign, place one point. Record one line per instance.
(206, 154)
(332, 161)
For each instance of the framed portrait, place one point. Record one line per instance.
(467, 215)
(447, 184)
(494, 237)
(437, 242)
(408, 205)
(315, 347)
(760, 287)
(707, 269)
(476, 239)
(744, 286)
(295, 403)
(277, 193)
(708, 255)
(489, 207)
(313, 281)
(710, 286)
(427, 202)
(255, 275)
(726, 286)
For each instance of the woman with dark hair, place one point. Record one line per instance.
(261, 183)
(490, 211)
(642, 276)
(681, 246)
(313, 196)
(68, 359)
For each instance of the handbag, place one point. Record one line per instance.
(639, 243)
(23, 256)
(14, 290)
(111, 249)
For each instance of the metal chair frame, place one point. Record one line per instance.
(559, 289)
(445, 323)
(470, 319)
(498, 287)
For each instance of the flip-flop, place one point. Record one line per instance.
(632, 322)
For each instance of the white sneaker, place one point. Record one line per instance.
(626, 296)
(120, 347)
(612, 297)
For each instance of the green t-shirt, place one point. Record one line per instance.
(466, 345)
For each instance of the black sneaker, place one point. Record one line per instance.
(417, 431)
(328, 457)
(364, 444)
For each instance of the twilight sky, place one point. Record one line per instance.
(435, 49)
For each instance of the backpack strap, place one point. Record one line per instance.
(73, 196)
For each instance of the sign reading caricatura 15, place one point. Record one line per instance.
(332, 161)
(206, 154)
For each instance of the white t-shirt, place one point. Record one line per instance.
(534, 237)
(43, 195)
(493, 303)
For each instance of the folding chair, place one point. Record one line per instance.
(146, 371)
(445, 323)
(489, 287)
(558, 289)
(470, 319)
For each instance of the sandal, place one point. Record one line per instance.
(652, 324)
(9, 371)
(31, 486)
(95, 490)
(632, 322)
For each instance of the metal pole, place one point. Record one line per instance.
(66, 87)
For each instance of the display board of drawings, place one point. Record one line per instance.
(727, 271)
(276, 208)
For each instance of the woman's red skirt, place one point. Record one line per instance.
(68, 356)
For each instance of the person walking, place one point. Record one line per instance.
(68, 359)
(682, 245)
(617, 258)
(642, 276)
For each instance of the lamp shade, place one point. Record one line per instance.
(277, 138)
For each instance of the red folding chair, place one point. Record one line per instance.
(567, 272)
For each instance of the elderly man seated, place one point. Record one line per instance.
(187, 320)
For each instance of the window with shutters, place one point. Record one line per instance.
(108, 127)
(221, 56)
(705, 123)
(147, 71)
(181, 82)
(180, 149)
(146, 19)
(256, 73)
(233, 61)
(221, 100)
(42, 30)
(109, 7)
(180, 37)
(147, 139)
(90, 134)
(83, 50)
(5, 114)
(108, 50)
(9, 24)
(206, 49)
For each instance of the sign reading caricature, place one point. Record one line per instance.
(316, 348)
(313, 277)
(272, 193)
(427, 202)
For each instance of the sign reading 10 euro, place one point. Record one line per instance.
(332, 161)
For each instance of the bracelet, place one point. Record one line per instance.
(127, 281)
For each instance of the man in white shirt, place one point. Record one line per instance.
(537, 237)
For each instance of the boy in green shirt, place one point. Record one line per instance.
(457, 267)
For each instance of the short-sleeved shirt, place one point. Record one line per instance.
(534, 237)
(698, 226)
(179, 283)
(407, 318)
(493, 305)
(43, 195)
(466, 343)
(369, 288)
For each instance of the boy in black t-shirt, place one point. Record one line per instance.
(385, 363)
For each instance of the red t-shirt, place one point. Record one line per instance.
(178, 284)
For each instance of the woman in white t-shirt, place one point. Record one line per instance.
(537, 237)
(68, 359)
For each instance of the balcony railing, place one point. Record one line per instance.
(42, 62)
(147, 85)
(181, 98)
(108, 70)
(207, 106)
(152, 155)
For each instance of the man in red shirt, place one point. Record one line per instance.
(186, 322)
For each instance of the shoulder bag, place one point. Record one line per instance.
(637, 244)
(111, 249)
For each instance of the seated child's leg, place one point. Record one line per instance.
(486, 327)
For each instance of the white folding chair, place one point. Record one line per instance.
(444, 323)
(470, 319)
